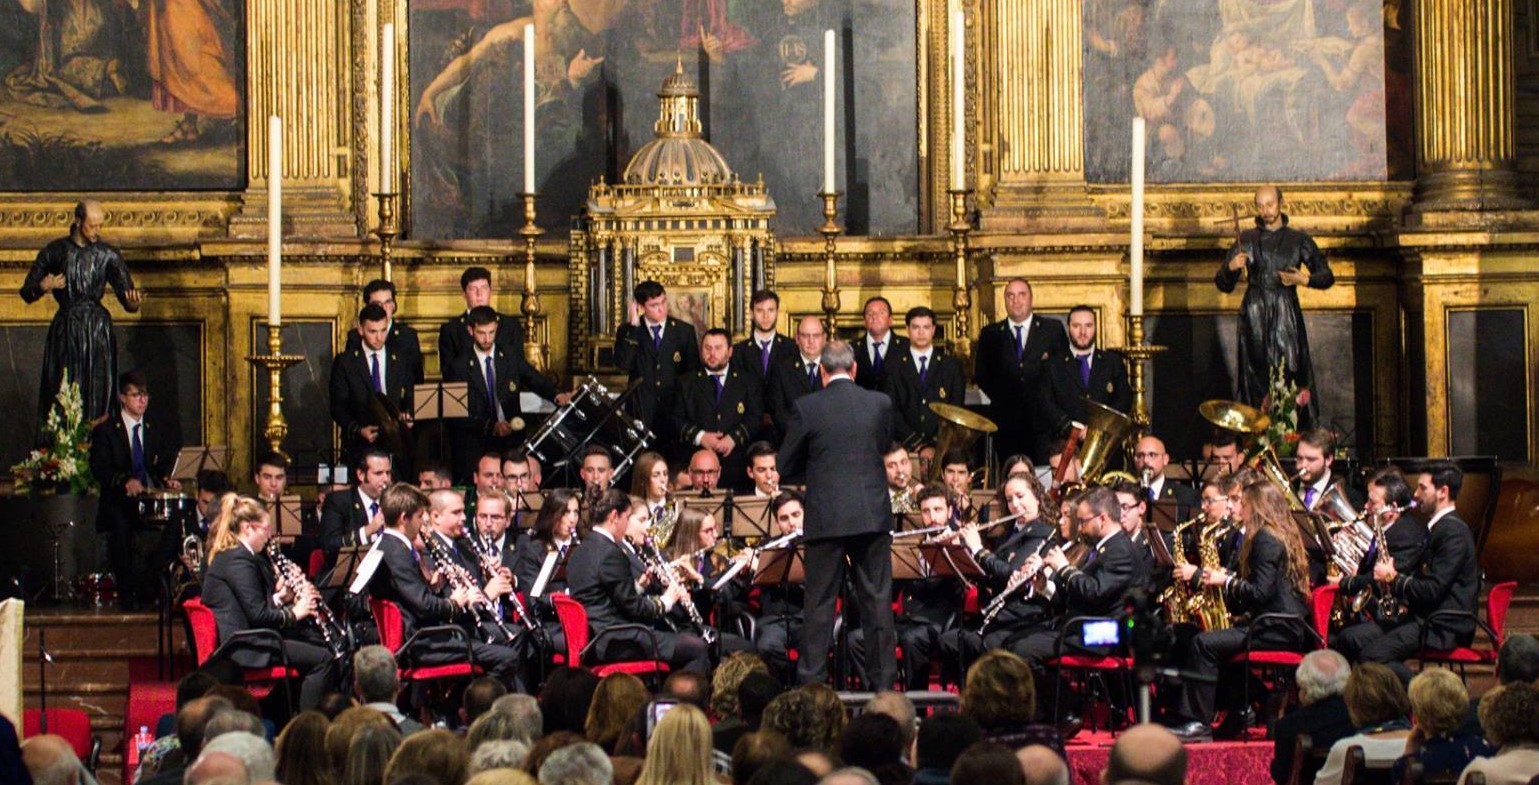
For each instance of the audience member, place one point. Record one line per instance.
(576, 763)
(236, 721)
(497, 754)
(345, 728)
(191, 721)
(547, 745)
(1516, 661)
(795, 715)
(502, 777)
(941, 740)
(377, 681)
(524, 710)
(1042, 766)
(754, 751)
(50, 760)
(370, 753)
(987, 761)
(217, 768)
(1438, 702)
(728, 677)
(565, 697)
(301, 751)
(1322, 712)
(1146, 753)
(493, 726)
(689, 687)
(252, 749)
(1001, 694)
(849, 775)
(875, 742)
(615, 703)
(479, 696)
(437, 753)
(1380, 711)
(192, 686)
(784, 772)
(1510, 715)
(679, 752)
(817, 761)
(754, 693)
(334, 703)
(12, 769)
(897, 706)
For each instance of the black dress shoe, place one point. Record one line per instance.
(1235, 724)
(1193, 731)
(1070, 726)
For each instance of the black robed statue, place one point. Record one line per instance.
(76, 270)
(1277, 259)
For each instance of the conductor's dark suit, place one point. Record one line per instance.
(1066, 390)
(511, 375)
(352, 388)
(736, 412)
(790, 380)
(868, 375)
(112, 463)
(912, 395)
(656, 368)
(836, 440)
(1013, 378)
(599, 576)
(238, 587)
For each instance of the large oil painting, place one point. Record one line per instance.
(1237, 90)
(598, 66)
(134, 95)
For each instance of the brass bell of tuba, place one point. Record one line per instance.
(959, 428)
(1106, 431)
(1239, 418)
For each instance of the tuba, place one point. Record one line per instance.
(1106, 431)
(1242, 419)
(959, 428)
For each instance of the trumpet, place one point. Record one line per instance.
(668, 572)
(459, 578)
(491, 565)
(333, 634)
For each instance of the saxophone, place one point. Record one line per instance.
(1388, 606)
(1207, 606)
(1177, 597)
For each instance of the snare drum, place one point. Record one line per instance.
(163, 506)
(99, 589)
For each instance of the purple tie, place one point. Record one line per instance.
(764, 355)
(924, 369)
(379, 384)
(657, 337)
(1309, 497)
(141, 473)
(491, 387)
(876, 361)
(812, 376)
(716, 378)
(1084, 371)
(1020, 348)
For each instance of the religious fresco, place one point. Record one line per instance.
(1239, 90)
(598, 66)
(122, 95)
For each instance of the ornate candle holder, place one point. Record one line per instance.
(961, 296)
(830, 231)
(389, 228)
(275, 361)
(529, 304)
(1138, 353)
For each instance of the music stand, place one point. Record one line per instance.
(1165, 514)
(1162, 557)
(440, 402)
(908, 563)
(751, 517)
(288, 518)
(781, 567)
(553, 568)
(1316, 534)
(717, 506)
(983, 500)
(951, 560)
(349, 564)
(197, 458)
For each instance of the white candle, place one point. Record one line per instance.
(829, 76)
(529, 108)
(387, 92)
(1136, 252)
(274, 219)
(958, 103)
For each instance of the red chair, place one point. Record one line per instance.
(317, 564)
(1494, 626)
(207, 646)
(574, 626)
(392, 635)
(1277, 666)
(1095, 667)
(72, 724)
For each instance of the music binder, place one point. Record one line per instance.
(781, 566)
(1153, 534)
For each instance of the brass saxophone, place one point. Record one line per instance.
(1389, 607)
(1177, 597)
(1207, 606)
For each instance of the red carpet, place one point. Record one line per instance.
(1214, 763)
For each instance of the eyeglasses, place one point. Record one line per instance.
(1083, 519)
(1128, 507)
(706, 472)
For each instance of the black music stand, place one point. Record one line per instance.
(752, 516)
(440, 402)
(1165, 514)
(1315, 532)
(527, 503)
(557, 569)
(718, 506)
(951, 560)
(783, 567)
(349, 577)
(190, 461)
(1154, 533)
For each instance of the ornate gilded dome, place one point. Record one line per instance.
(678, 156)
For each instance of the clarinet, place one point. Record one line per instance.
(1018, 579)
(491, 565)
(458, 577)
(670, 576)
(334, 636)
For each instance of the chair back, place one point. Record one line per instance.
(574, 626)
(1497, 602)
(74, 725)
(1479, 778)
(317, 564)
(387, 618)
(205, 630)
(1353, 767)
(1321, 602)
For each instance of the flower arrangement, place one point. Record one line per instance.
(63, 464)
(1283, 400)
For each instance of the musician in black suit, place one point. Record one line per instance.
(1084, 373)
(354, 516)
(494, 375)
(242, 589)
(655, 351)
(1447, 579)
(454, 342)
(875, 350)
(755, 355)
(1272, 576)
(1389, 498)
(492, 526)
(836, 441)
(1010, 365)
(719, 407)
(399, 579)
(798, 374)
(778, 628)
(600, 576)
(400, 338)
(358, 375)
(130, 455)
(918, 375)
(1314, 461)
(1149, 460)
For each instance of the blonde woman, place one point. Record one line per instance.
(679, 752)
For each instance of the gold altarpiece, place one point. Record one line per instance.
(1410, 255)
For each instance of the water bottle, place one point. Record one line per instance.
(141, 742)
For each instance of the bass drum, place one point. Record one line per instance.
(594, 415)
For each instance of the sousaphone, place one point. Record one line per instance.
(1106, 432)
(1252, 422)
(959, 428)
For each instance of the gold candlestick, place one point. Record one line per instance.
(389, 228)
(1138, 353)
(830, 231)
(961, 296)
(529, 305)
(275, 361)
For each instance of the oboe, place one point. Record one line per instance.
(491, 565)
(670, 577)
(289, 573)
(459, 578)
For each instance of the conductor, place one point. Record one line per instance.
(836, 443)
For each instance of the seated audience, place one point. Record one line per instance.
(784, 772)
(51, 760)
(1146, 753)
(873, 741)
(1001, 695)
(565, 698)
(897, 706)
(345, 729)
(496, 754)
(941, 740)
(733, 720)
(547, 745)
(849, 775)
(679, 752)
(616, 701)
(479, 696)
(1510, 715)
(730, 673)
(1322, 712)
(216, 768)
(1042, 766)
(754, 751)
(252, 749)
(436, 753)
(581, 763)
(377, 682)
(1516, 661)
(796, 716)
(690, 687)
(989, 762)
(1380, 710)
(502, 777)
(369, 755)
(301, 746)
(166, 746)
(1438, 701)
(524, 710)
(191, 722)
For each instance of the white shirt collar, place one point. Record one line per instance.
(396, 533)
(606, 534)
(763, 338)
(1076, 354)
(480, 355)
(1322, 484)
(1437, 516)
(1113, 533)
(918, 353)
(650, 326)
(129, 423)
(841, 375)
(807, 362)
(1024, 326)
(367, 500)
(1156, 484)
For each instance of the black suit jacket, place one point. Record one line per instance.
(1014, 386)
(1326, 721)
(513, 374)
(599, 576)
(1183, 495)
(865, 375)
(657, 369)
(836, 441)
(787, 382)
(999, 563)
(736, 414)
(454, 341)
(352, 387)
(1097, 587)
(399, 580)
(1406, 538)
(402, 339)
(1448, 578)
(238, 587)
(943, 383)
(1265, 588)
(112, 457)
(342, 515)
(1064, 394)
(748, 358)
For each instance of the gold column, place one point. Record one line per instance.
(298, 69)
(1033, 78)
(1464, 99)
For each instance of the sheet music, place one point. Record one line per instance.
(737, 567)
(366, 569)
(546, 570)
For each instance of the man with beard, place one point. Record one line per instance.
(719, 406)
(1085, 373)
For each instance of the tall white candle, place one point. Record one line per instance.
(958, 103)
(1136, 251)
(529, 108)
(387, 93)
(274, 219)
(829, 77)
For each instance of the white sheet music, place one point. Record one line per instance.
(545, 572)
(366, 569)
(737, 567)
